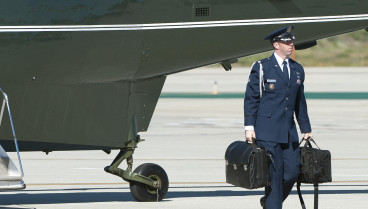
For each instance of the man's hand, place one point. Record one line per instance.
(250, 135)
(307, 135)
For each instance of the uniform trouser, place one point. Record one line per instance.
(284, 171)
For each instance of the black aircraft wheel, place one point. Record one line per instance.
(144, 193)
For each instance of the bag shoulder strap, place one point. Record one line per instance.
(301, 197)
(300, 194)
(315, 184)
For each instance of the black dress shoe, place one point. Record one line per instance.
(263, 202)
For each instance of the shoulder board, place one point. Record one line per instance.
(295, 62)
(264, 60)
(261, 61)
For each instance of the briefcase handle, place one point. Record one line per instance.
(253, 142)
(307, 142)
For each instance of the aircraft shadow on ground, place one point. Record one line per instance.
(60, 198)
(87, 197)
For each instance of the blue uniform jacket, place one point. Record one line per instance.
(272, 115)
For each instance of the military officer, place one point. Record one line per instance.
(274, 94)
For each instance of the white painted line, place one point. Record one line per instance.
(182, 25)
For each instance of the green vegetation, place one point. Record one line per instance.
(343, 50)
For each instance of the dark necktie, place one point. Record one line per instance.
(285, 70)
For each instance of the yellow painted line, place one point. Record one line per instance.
(349, 181)
(137, 159)
(121, 183)
(163, 159)
(198, 183)
(126, 183)
(178, 159)
(75, 184)
(350, 159)
(203, 159)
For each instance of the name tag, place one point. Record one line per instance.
(271, 80)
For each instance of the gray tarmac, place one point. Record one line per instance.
(188, 138)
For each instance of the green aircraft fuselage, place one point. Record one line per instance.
(87, 74)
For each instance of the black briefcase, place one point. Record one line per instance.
(247, 165)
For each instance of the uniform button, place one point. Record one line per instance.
(287, 98)
(285, 108)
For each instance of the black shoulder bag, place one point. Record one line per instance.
(315, 168)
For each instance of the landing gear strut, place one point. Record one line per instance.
(148, 182)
